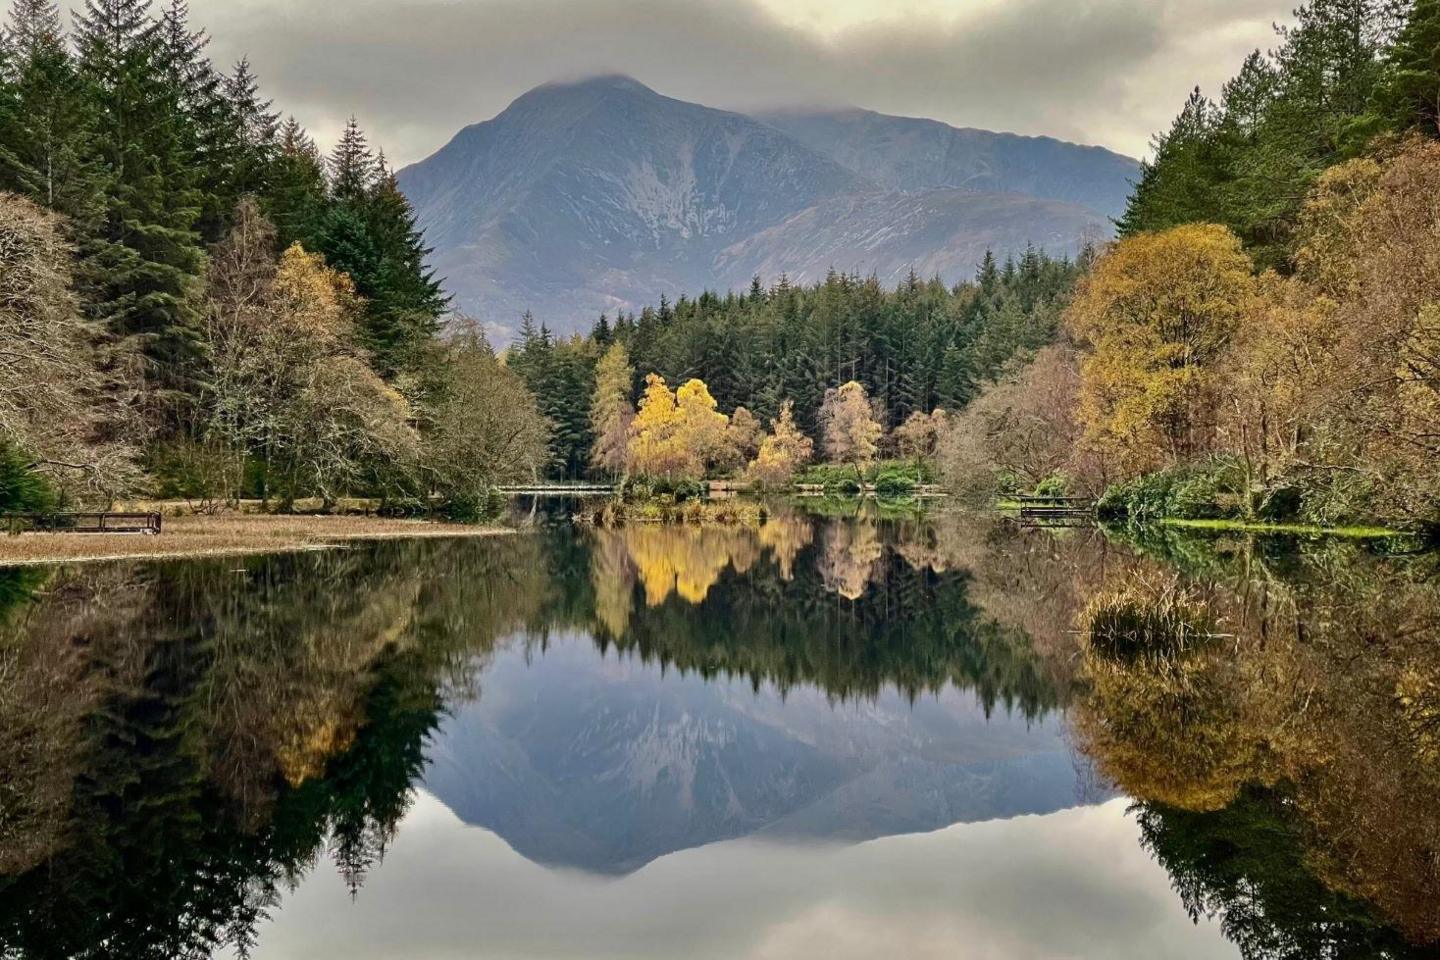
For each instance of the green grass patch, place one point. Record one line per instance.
(1288, 529)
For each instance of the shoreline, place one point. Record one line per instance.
(225, 535)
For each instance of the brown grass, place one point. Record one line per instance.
(223, 534)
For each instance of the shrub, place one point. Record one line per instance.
(1207, 491)
(22, 490)
(484, 507)
(1282, 503)
(894, 483)
(1144, 620)
(1055, 485)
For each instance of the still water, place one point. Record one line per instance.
(833, 736)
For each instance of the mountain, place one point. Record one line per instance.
(599, 763)
(911, 155)
(604, 195)
(937, 233)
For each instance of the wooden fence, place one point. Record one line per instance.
(142, 523)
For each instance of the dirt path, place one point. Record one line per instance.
(226, 534)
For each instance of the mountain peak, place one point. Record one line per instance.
(599, 81)
(598, 194)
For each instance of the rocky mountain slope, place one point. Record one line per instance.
(912, 155)
(603, 195)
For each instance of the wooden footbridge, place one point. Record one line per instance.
(556, 489)
(1056, 511)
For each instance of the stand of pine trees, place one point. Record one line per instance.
(917, 347)
(147, 152)
(127, 130)
(1348, 72)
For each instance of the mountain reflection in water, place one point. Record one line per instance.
(190, 751)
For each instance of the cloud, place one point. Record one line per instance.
(1076, 884)
(415, 71)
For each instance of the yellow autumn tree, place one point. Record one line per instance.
(611, 412)
(851, 430)
(675, 435)
(781, 453)
(1157, 313)
(703, 428)
(654, 448)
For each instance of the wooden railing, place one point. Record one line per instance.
(143, 523)
(1053, 509)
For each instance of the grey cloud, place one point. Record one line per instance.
(415, 71)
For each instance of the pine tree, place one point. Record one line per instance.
(369, 232)
(1176, 186)
(405, 300)
(295, 194)
(1409, 97)
(148, 265)
(354, 169)
(46, 145)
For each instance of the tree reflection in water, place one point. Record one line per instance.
(183, 741)
(1297, 739)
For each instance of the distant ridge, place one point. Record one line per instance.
(601, 194)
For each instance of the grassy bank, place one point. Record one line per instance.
(1287, 529)
(223, 535)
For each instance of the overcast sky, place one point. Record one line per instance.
(1109, 72)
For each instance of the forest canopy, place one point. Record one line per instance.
(199, 304)
(1262, 339)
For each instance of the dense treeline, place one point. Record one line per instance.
(919, 347)
(1263, 338)
(1348, 71)
(235, 313)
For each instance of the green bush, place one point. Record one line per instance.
(895, 483)
(1211, 490)
(486, 507)
(1055, 485)
(1282, 504)
(22, 490)
(828, 475)
(901, 477)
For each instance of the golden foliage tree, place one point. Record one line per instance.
(675, 435)
(849, 426)
(611, 411)
(783, 451)
(288, 381)
(1371, 243)
(703, 429)
(1157, 312)
(654, 448)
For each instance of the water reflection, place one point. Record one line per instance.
(184, 743)
(1305, 715)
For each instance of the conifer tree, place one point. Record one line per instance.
(1409, 97)
(46, 148)
(295, 194)
(354, 168)
(369, 232)
(148, 264)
